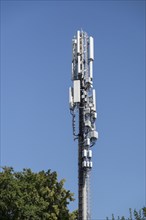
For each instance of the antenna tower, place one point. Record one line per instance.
(82, 101)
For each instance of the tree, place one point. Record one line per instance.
(138, 215)
(33, 196)
(144, 211)
(74, 215)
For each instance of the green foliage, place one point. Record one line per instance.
(33, 196)
(123, 218)
(130, 213)
(141, 215)
(74, 215)
(144, 211)
(136, 215)
(113, 218)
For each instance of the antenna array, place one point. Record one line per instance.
(82, 102)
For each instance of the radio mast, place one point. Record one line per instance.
(82, 101)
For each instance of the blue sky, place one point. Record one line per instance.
(36, 131)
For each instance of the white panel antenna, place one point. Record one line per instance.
(91, 50)
(76, 91)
